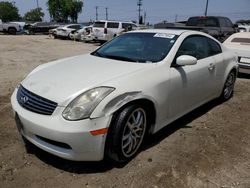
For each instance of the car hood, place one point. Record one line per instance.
(62, 80)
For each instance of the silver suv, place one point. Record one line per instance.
(104, 30)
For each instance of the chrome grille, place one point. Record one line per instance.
(35, 103)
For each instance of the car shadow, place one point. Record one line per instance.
(181, 123)
(106, 165)
(243, 75)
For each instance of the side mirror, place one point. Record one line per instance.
(186, 60)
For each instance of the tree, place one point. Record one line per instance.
(35, 15)
(62, 10)
(8, 12)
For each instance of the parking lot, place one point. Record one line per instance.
(209, 147)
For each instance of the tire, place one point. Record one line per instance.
(228, 88)
(12, 31)
(126, 133)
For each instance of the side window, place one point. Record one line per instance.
(125, 25)
(211, 22)
(196, 46)
(229, 23)
(214, 47)
(112, 25)
(71, 27)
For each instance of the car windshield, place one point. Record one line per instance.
(138, 47)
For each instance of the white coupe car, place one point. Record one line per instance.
(240, 44)
(103, 104)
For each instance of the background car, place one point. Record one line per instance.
(64, 32)
(77, 35)
(240, 44)
(105, 30)
(243, 28)
(103, 104)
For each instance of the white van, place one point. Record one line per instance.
(105, 30)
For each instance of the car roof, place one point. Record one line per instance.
(167, 31)
(114, 21)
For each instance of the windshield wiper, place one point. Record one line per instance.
(120, 58)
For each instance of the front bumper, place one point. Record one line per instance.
(67, 139)
(244, 65)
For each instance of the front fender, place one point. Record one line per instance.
(119, 101)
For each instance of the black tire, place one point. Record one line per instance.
(126, 133)
(12, 31)
(228, 88)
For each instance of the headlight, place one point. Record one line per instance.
(83, 105)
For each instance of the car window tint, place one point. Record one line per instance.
(241, 40)
(112, 25)
(138, 47)
(99, 24)
(214, 47)
(210, 22)
(228, 22)
(195, 46)
(126, 25)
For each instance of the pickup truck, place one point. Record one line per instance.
(11, 28)
(42, 27)
(216, 26)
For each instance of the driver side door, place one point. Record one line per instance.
(191, 85)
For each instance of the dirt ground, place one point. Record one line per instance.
(210, 147)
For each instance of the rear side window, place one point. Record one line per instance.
(241, 40)
(112, 25)
(74, 27)
(214, 47)
(99, 24)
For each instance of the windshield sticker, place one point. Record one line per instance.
(164, 35)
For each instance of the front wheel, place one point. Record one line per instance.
(126, 133)
(228, 88)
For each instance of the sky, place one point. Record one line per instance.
(156, 10)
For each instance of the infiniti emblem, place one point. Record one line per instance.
(24, 99)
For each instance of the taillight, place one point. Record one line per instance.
(105, 30)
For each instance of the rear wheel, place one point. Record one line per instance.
(12, 31)
(228, 88)
(127, 133)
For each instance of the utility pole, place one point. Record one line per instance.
(37, 5)
(206, 8)
(106, 13)
(176, 16)
(139, 4)
(96, 12)
(145, 16)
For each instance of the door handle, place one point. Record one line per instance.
(211, 67)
